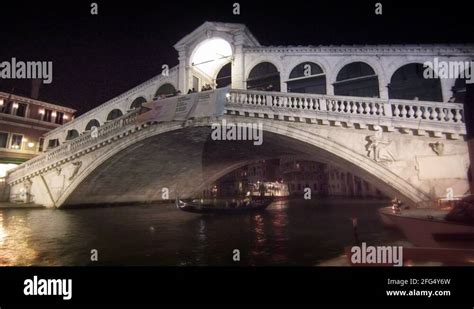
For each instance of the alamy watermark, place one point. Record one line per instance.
(15, 69)
(237, 132)
(388, 255)
(449, 70)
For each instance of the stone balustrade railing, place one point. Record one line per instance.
(135, 91)
(431, 116)
(72, 146)
(416, 115)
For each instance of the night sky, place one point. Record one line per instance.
(98, 57)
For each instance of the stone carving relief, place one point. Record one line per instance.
(25, 191)
(377, 147)
(438, 148)
(77, 166)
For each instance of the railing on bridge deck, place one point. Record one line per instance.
(446, 117)
(73, 145)
(420, 115)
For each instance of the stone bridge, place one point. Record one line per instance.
(415, 150)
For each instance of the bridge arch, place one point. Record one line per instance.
(119, 162)
(408, 83)
(224, 75)
(357, 79)
(459, 87)
(208, 56)
(92, 123)
(264, 75)
(114, 114)
(71, 134)
(307, 77)
(137, 103)
(165, 89)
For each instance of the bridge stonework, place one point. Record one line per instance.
(412, 149)
(130, 161)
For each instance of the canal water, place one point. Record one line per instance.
(292, 233)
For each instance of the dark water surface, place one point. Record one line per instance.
(287, 233)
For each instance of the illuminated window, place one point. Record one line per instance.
(7, 107)
(16, 141)
(21, 110)
(41, 144)
(3, 139)
(59, 118)
(47, 116)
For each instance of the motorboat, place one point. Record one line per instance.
(434, 227)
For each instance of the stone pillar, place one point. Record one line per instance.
(383, 89)
(238, 64)
(283, 86)
(182, 72)
(330, 78)
(447, 85)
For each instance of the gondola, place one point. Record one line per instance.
(236, 207)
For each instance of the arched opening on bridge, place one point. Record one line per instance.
(53, 143)
(165, 90)
(114, 114)
(137, 103)
(357, 79)
(92, 123)
(459, 89)
(207, 59)
(224, 77)
(307, 77)
(408, 83)
(71, 134)
(265, 77)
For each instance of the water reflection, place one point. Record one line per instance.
(15, 246)
(294, 233)
(279, 222)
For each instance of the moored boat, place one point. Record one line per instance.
(443, 227)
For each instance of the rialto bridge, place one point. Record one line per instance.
(368, 109)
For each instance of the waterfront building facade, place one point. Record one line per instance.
(23, 123)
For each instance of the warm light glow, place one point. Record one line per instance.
(31, 145)
(15, 105)
(53, 114)
(6, 167)
(41, 111)
(65, 117)
(210, 56)
(3, 233)
(1, 102)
